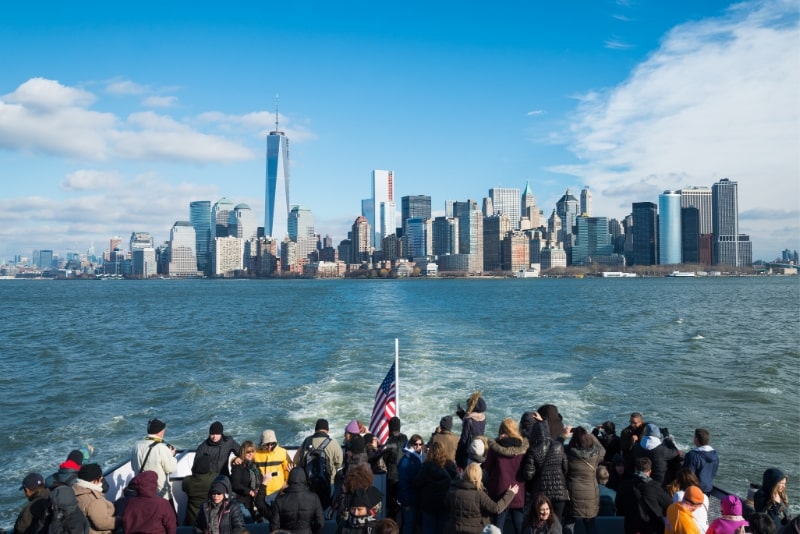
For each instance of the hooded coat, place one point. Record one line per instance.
(432, 483)
(545, 464)
(503, 468)
(225, 518)
(98, 510)
(659, 451)
(67, 517)
(469, 508)
(473, 423)
(147, 512)
(582, 479)
(297, 508)
(762, 500)
(704, 462)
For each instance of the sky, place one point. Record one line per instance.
(115, 115)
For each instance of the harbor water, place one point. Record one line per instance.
(93, 361)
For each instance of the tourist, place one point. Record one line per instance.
(761, 523)
(67, 472)
(473, 423)
(358, 478)
(146, 512)
(607, 495)
(387, 526)
(196, 487)
(771, 498)
(502, 467)
(246, 480)
(731, 519)
(432, 483)
(679, 515)
(541, 517)
(219, 448)
(555, 421)
(65, 515)
(353, 428)
(445, 435)
(468, 505)
(297, 508)
(545, 466)
(642, 501)
(660, 451)
(374, 454)
(320, 442)
(362, 512)
(629, 437)
(685, 478)
(392, 455)
(273, 463)
(703, 460)
(606, 434)
(584, 454)
(616, 473)
(92, 502)
(355, 454)
(154, 454)
(407, 470)
(220, 514)
(33, 516)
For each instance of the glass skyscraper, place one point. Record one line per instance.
(669, 228)
(507, 200)
(276, 199)
(729, 247)
(200, 217)
(645, 236)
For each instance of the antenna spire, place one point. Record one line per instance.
(276, 112)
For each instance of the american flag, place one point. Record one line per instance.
(385, 407)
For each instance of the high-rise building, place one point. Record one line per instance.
(182, 259)
(730, 247)
(669, 228)
(361, 248)
(200, 217)
(495, 229)
(417, 237)
(445, 236)
(221, 217)
(586, 202)
(529, 208)
(414, 206)
(276, 199)
(143, 262)
(387, 219)
(301, 231)
(592, 241)
(690, 234)
(554, 226)
(507, 200)
(567, 208)
(382, 191)
(700, 198)
(228, 255)
(516, 251)
(45, 259)
(645, 233)
(470, 233)
(140, 240)
(242, 223)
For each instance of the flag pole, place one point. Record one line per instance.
(397, 376)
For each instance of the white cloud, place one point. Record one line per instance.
(89, 180)
(260, 122)
(126, 87)
(160, 101)
(617, 44)
(535, 112)
(717, 99)
(42, 94)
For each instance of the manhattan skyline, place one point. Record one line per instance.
(113, 120)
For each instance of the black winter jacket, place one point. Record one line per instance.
(545, 464)
(297, 509)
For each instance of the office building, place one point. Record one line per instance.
(228, 256)
(276, 198)
(553, 256)
(700, 198)
(445, 236)
(669, 228)
(360, 242)
(221, 217)
(470, 233)
(729, 247)
(182, 259)
(506, 200)
(388, 219)
(45, 259)
(414, 206)
(242, 223)
(140, 240)
(530, 210)
(417, 237)
(200, 217)
(645, 233)
(143, 262)
(495, 229)
(516, 251)
(690, 234)
(592, 241)
(301, 231)
(586, 202)
(382, 191)
(567, 209)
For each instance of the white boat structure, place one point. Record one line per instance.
(617, 274)
(682, 274)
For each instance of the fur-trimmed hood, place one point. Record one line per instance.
(509, 447)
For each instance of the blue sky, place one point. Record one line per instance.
(114, 116)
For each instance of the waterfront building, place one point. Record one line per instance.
(617, 231)
(567, 209)
(445, 236)
(537, 243)
(669, 228)
(228, 256)
(591, 241)
(242, 223)
(392, 249)
(221, 217)
(388, 219)
(414, 206)
(182, 259)
(554, 228)
(291, 262)
(516, 251)
(495, 228)
(507, 200)
(301, 231)
(700, 198)
(45, 260)
(455, 263)
(382, 191)
(553, 256)
(143, 262)
(276, 197)
(645, 237)
(690, 234)
(529, 208)
(418, 232)
(730, 247)
(586, 202)
(268, 255)
(470, 233)
(361, 247)
(200, 217)
(140, 240)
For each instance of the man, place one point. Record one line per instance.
(320, 443)
(218, 447)
(154, 454)
(273, 462)
(407, 470)
(297, 508)
(67, 472)
(444, 434)
(392, 454)
(642, 501)
(32, 518)
(629, 437)
(679, 515)
(94, 505)
(702, 460)
(660, 451)
(196, 487)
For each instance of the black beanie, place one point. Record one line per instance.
(76, 456)
(356, 444)
(394, 424)
(446, 422)
(215, 428)
(90, 472)
(154, 426)
(202, 465)
(322, 424)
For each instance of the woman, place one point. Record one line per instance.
(246, 479)
(502, 469)
(541, 518)
(683, 479)
(584, 454)
(468, 505)
(545, 466)
(431, 484)
(731, 519)
(359, 478)
(771, 498)
(219, 514)
(473, 424)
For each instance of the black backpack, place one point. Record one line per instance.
(65, 516)
(316, 467)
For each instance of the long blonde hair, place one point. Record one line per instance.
(509, 428)
(473, 473)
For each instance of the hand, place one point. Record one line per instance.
(514, 489)
(635, 438)
(567, 431)
(537, 416)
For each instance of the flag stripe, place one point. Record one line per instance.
(385, 407)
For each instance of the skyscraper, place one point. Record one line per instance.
(414, 206)
(276, 199)
(382, 191)
(645, 236)
(200, 217)
(182, 259)
(220, 217)
(669, 228)
(700, 198)
(567, 208)
(592, 242)
(529, 207)
(301, 231)
(417, 237)
(507, 200)
(361, 247)
(586, 202)
(242, 223)
(495, 229)
(729, 247)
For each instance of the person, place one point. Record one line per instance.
(154, 454)
(477, 451)
(359, 478)
(584, 454)
(196, 487)
(146, 512)
(545, 466)
(220, 514)
(629, 437)
(219, 448)
(91, 501)
(65, 515)
(468, 505)
(445, 435)
(683, 479)
(761, 523)
(363, 508)
(606, 434)
(328, 450)
(407, 469)
(703, 460)
(541, 518)
(246, 480)
(67, 472)
(617, 472)
(353, 428)
(431, 484)
(731, 519)
(297, 508)
(387, 526)
(771, 498)
(32, 518)
(374, 453)
(679, 515)
(554, 419)
(502, 467)
(473, 423)
(274, 464)
(392, 455)
(607, 495)
(660, 451)
(642, 501)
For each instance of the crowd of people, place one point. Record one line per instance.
(533, 476)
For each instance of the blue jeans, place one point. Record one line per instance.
(434, 523)
(517, 518)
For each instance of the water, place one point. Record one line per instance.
(92, 361)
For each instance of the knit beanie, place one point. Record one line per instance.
(215, 428)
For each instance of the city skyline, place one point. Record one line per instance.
(112, 124)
